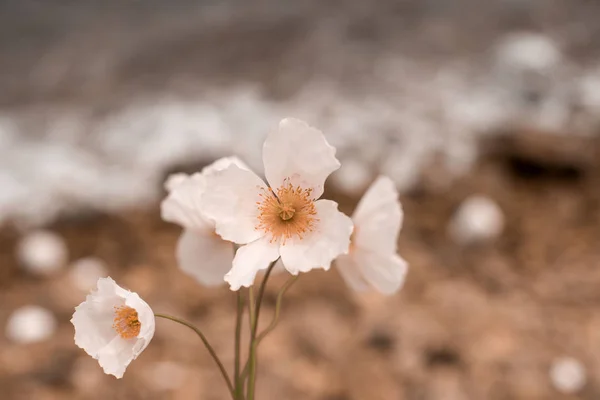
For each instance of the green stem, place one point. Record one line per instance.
(254, 315)
(275, 320)
(208, 347)
(239, 383)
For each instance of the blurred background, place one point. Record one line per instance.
(486, 114)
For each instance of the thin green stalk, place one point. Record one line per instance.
(238, 382)
(251, 305)
(252, 371)
(255, 313)
(251, 350)
(275, 320)
(208, 347)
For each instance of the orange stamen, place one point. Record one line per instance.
(288, 212)
(126, 322)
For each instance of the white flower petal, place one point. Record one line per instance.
(250, 259)
(378, 218)
(330, 238)
(182, 205)
(204, 256)
(385, 273)
(230, 200)
(299, 152)
(223, 163)
(351, 274)
(116, 356)
(174, 180)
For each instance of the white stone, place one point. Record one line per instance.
(567, 375)
(30, 324)
(42, 252)
(477, 219)
(85, 272)
(529, 51)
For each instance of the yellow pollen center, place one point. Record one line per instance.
(126, 322)
(287, 212)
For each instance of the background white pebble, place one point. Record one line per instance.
(30, 324)
(477, 219)
(567, 375)
(85, 272)
(527, 50)
(42, 252)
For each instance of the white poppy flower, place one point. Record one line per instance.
(373, 260)
(200, 253)
(113, 325)
(283, 218)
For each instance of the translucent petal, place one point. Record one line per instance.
(378, 218)
(300, 153)
(182, 205)
(385, 273)
(351, 274)
(204, 256)
(250, 259)
(230, 200)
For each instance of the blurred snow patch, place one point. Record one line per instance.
(567, 375)
(402, 117)
(42, 252)
(30, 324)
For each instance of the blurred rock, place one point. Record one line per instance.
(528, 51)
(477, 219)
(567, 375)
(30, 324)
(42, 252)
(85, 272)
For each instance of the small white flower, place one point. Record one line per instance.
(200, 253)
(113, 325)
(283, 218)
(373, 260)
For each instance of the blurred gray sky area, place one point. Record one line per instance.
(99, 98)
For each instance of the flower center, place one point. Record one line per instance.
(287, 212)
(126, 322)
